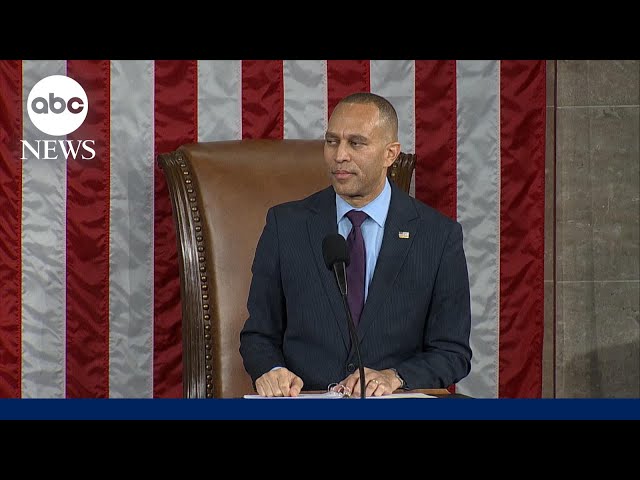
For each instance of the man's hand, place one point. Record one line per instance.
(280, 382)
(379, 383)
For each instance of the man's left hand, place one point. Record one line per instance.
(378, 382)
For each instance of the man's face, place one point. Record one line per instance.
(357, 152)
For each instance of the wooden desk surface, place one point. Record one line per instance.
(441, 393)
(431, 391)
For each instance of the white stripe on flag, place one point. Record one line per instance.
(44, 193)
(131, 230)
(305, 99)
(478, 133)
(395, 80)
(219, 100)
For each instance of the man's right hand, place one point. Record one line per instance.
(280, 382)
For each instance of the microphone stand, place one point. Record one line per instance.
(341, 279)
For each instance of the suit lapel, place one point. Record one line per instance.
(399, 233)
(322, 222)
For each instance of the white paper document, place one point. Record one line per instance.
(336, 395)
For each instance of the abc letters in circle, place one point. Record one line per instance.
(57, 105)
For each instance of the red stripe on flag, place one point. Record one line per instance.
(345, 77)
(10, 228)
(522, 150)
(436, 131)
(436, 137)
(176, 123)
(262, 99)
(87, 237)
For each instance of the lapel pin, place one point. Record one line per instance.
(403, 234)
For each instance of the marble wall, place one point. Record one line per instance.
(592, 225)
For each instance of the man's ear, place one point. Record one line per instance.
(391, 153)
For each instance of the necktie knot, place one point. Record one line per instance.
(356, 217)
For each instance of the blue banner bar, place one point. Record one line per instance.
(312, 409)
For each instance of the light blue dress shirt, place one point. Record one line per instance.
(372, 227)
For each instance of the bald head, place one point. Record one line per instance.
(388, 116)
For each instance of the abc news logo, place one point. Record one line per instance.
(58, 105)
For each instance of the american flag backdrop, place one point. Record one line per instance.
(89, 287)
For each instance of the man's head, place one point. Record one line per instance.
(361, 143)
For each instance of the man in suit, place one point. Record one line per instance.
(413, 321)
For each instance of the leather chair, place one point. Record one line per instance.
(220, 194)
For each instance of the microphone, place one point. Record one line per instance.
(336, 257)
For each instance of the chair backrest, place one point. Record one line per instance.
(220, 194)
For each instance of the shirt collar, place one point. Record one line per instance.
(377, 208)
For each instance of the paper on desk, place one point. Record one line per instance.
(404, 395)
(300, 395)
(332, 395)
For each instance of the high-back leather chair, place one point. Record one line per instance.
(220, 194)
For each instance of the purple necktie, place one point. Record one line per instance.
(357, 262)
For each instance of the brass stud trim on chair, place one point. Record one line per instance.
(178, 171)
(200, 247)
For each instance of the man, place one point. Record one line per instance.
(414, 325)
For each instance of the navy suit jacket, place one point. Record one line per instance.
(416, 317)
